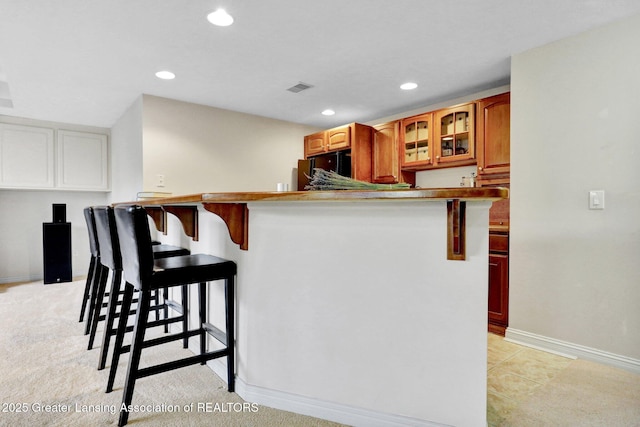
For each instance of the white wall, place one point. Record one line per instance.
(22, 213)
(200, 149)
(126, 154)
(575, 273)
(197, 148)
(21, 216)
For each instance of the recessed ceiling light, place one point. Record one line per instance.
(165, 75)
(408, 86)
(328, 112)
(220, 18)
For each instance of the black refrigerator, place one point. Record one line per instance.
(339, 161)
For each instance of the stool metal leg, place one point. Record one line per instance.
(142, 316)
(185, 315)
(87, 287)
(165, 309)
(229, 304)
(110, 316)
(97, 275)
(127, 297)
(202, 297)
(102, 284)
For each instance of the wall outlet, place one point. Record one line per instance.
(159, 180)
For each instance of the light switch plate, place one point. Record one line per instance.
(596, 199)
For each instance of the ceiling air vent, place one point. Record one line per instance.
(299, 87)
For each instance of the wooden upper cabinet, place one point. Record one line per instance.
(360, 147)
(335, 139)
(314, 144)
(455, 135)
(353, 138)
(416, 136)
(386, 167)
(494, 117)
(339, 138)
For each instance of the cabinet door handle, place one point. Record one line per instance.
(479, 168)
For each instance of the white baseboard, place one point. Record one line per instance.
(20, 279)
(335, 412)
(568, 349)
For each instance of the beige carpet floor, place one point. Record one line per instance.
(583, 394)
(48, 378)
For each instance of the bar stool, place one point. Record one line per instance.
(93, 248)
(111, 260)
(146, 275)
(95, 272)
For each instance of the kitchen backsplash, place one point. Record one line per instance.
(444, 178)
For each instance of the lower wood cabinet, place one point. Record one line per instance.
(498, 281)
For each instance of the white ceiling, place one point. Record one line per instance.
(86, 61)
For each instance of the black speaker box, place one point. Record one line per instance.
(59, 213)
(56, 250)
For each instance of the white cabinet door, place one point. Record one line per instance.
(26, 157)
(82, 161)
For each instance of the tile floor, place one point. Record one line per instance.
(513, 373)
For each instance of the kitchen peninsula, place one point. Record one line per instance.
(362, 307)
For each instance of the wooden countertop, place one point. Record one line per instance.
(460, 193)
(232, 208)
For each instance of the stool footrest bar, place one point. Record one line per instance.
(176, 364)
(218, 334)
(174, 306)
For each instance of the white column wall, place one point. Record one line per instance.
(351, 312)
(574, 272)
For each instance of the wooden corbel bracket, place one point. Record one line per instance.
(236, 216)
(188, 216)
(159, 217)
(456, 229)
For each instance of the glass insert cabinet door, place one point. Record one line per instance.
(455, 134)
(416, 134)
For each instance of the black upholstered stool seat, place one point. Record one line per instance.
(189, 269)
(144, 273)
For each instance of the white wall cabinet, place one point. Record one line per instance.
(34, 157)
(82, 161)
(26, 157)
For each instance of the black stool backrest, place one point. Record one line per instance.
(107, 237)
(91, 227)
(135, 244)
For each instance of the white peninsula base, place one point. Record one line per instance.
(349, 310)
